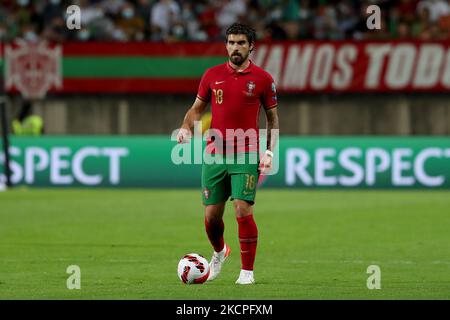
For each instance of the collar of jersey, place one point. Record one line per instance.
(246, 70)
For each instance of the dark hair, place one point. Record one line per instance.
(239, 28)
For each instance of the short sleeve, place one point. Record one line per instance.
(204, 90)
(269, 98)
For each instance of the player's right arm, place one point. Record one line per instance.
(192, 115)
(195, 112)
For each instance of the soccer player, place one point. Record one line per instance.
(236, 90)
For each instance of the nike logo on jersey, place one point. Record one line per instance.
(219, 82)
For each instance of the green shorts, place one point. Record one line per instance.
(222, 180)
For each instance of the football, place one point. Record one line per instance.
(193, 268)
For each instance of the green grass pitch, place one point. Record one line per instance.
(312, 244)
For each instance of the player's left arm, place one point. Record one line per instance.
(270, 102)
(273, 127)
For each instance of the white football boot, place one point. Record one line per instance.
(246, 277)
(217, 261)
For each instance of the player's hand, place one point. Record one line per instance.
(184, 135)
(265, 164)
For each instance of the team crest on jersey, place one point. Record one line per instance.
(206, 193)
(33, 68)
(274, 89)
(250, 86)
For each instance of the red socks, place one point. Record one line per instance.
(214, 230)
(248, 237)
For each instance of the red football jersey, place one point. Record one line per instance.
(236, 98)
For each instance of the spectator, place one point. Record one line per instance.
(131, 24)
(90, 12)
(407, 10)
(164, 15)
(425, 28)
(55, 30)
(208, 21)
(229, 12)
(346, 19)
(437, 8)
(53, 9)
(403, 31)
(111, 8)
(143, 10)
(325, 23)
(205, 20)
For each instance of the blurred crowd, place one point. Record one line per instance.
(202, 20)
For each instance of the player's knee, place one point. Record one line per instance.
(242, 208)
(214, 212)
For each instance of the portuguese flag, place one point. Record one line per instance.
(137, 67)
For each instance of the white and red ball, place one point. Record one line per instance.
(193, 268)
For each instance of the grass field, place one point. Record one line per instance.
(312, 244)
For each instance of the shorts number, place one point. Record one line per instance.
(251, 182)
(218, 94)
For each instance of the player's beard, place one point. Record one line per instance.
(238, 59)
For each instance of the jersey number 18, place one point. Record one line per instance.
(218, 94)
